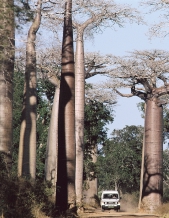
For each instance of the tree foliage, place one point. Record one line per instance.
(119, 161)
(166, 175)
(97, 116)
(160, 27)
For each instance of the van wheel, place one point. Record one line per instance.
(102, 210)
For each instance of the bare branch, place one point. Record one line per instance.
(161, 27)
(95, 92)
(123, 95)
(146, 73)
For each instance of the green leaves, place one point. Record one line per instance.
(97, 116)
(119, 163)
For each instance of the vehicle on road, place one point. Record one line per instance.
(110, 199)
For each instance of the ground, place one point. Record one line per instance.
(128, 210)
(95, 213)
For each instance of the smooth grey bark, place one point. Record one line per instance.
(52, 141)
(65, 196)
(146, 73)
(79, 115)
(27, 144)
(98, 14)
(153, 159)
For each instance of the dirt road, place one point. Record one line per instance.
(98, 213)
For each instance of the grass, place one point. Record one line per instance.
(163, 211)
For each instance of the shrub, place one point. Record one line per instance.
(21, 198)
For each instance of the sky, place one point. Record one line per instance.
(119, 42)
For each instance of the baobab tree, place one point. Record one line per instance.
(7, 31)
(27, 144)
(96, 15)
(65, 196)
(48, 62)
(90, 17)
(146, 74)
(52, 141)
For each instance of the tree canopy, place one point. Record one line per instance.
(119, 160)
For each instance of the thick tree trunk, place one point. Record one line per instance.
(27, 144)
(6, 74)
(65, 196)
(52, 143)
(152, 178)
(90, 195)
(79, 115)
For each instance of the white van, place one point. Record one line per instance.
(110, 200)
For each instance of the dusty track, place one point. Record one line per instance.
(98, 213)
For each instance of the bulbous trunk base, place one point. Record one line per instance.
(152, 192)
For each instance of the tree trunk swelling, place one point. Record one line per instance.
(6, 75)
(153, 180)
(79, 115)
(65, 196)
(90, 194)
(52, 143)
(27, 144)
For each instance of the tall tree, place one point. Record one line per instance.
(146, 73)
(85, 67)
(43, 117)
(89, 17)
(6, 74)
(95, 18)
(49, 70)
(65, 196)
(27, 145)
(52, 141)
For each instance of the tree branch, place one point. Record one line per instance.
(123, 95)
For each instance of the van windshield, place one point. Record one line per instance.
(108, 196)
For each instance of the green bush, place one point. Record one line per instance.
(166, 194)
(19, 196)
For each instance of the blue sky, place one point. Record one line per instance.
(119, 42)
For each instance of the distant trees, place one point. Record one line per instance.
(119, 160)
(97, 115)
(166, 175)
(146, 74)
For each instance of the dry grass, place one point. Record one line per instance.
(37, 212)
(129, 203)
(163, 211)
